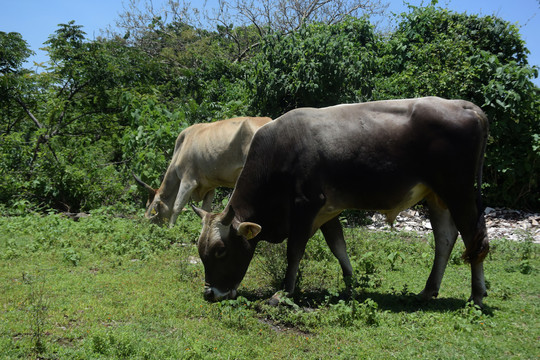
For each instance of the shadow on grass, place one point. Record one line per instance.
(393, 302)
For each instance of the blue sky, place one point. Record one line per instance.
(36, 20)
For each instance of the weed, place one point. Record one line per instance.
(235, 313)
(273, 261)
(366, 274)
(116, 345)
(37, 309)
(393, 258)
(366, 263)
(100, 344)
(456, 257)
(523, 251)
(12, 251)
(347, 313)
(469, 316)
(71, 256)
(525, 267)
(471, 312)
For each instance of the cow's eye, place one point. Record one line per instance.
(220, 253)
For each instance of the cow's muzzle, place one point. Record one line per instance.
(213, 294)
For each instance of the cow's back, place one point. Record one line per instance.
(214, 153)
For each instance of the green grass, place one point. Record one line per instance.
(118, 288)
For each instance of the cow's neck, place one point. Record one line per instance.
(250, 206)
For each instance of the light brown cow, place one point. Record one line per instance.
(206, 156)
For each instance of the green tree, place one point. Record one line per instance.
(318, 65)
(60, 127)
(438, 52)
(14, 80)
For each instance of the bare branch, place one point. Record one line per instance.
(289, 15)
(29, 113)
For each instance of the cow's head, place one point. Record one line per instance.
(156, 210)
(226, 247)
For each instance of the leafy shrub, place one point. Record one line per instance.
(318, 65)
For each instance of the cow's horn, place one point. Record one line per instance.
(148, 188)
(200, 212)
(228, 217)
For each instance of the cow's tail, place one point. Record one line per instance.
(479, 248)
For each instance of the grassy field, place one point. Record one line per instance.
(119, 288)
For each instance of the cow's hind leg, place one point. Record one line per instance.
(333, 234)
(183, 196)
(472, 228)
(445, 234)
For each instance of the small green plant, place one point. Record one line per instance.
(524, 251)
(115, 345)
(235, 313)
(365, 275)
(456, 257)
(394, 258)
(11, 251)
(469, 316)
(100, 344)
(471, 312)
(525, 267)
(347, 313)
(71, 256)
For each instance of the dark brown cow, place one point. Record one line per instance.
(307, 166)
(205, 157)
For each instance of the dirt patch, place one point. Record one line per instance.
(280, 328)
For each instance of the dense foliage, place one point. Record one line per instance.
(72, 133)
(318, 65)
(483, 60)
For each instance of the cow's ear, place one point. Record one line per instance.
(249, 230)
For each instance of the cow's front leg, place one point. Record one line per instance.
(295, 251)
(183, 196)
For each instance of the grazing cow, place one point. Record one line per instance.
(307, 166)
(206, 156)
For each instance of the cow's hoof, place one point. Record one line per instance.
(478, 300)
(281, 298)
(277, 298)
(350, 282)
(425, 296)
(273, 301)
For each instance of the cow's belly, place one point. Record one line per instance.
(336, 203)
